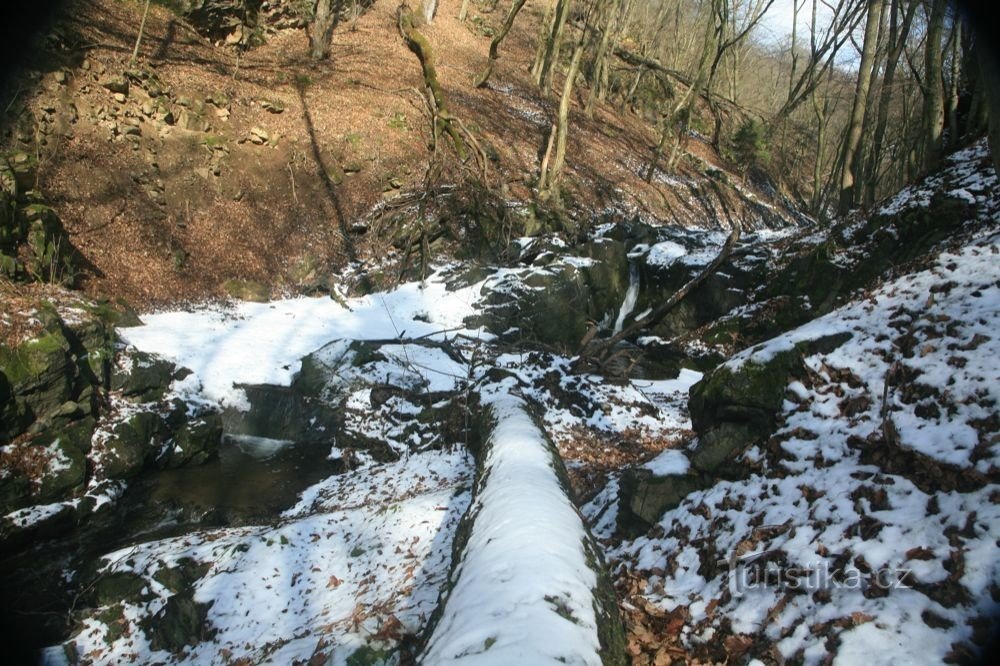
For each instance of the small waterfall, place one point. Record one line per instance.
(630, 296)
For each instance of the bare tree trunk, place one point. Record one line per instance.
(849, 160)
(320, 29)
(464, 11)
(933, 110)
(497, 39)
(555, 152)
(989, 73)
(954, 134)
(898, 33)
(430, 9)
(142, 28)
(543, 37)
(553, 43)
(600, 56)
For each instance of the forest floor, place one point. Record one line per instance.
(270, 168)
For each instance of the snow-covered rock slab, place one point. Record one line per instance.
(528, 586)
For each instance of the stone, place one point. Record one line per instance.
(117, 85)
(272, 106)
(38, 375)
(733, 408)
(148, 378)
(258, 135)
(281, 412)
(183, 576)
(120, 586)
(645, 497)
(196, 442)
(180, 623)
(132, 444)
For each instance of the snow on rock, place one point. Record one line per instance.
(262, 343)
(670, 462)
(523, 591)
(962, 178)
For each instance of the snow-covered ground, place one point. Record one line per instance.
(865, 530)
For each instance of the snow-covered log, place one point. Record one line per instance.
(528, 584)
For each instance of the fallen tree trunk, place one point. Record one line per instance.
(528, 584)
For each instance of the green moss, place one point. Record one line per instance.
(247, 290)
(398, 121)
(366, 655)
(31, 359)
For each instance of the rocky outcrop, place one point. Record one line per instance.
(555, 300)
(732, 408)
(54, 390)
(33, 243)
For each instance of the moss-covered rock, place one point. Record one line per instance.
(50, 252)
(751, 393)
(132, 444)
(66, 472)
(38, 378)
(119, 586)
(195, 442)
(645, 497)
(181, 622)
(182, 577)
(735, 406)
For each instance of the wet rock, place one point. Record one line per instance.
(195, 442)
(132, 444)
(281, 412)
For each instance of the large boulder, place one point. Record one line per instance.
(555, 301)
(43, 469)
(145, 378)
(181, 622)
(644, 497)
(738, 404)
(281, 412)
(37, 378)
(51, 256)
